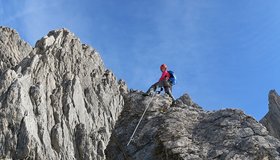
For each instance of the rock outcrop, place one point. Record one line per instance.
(12, 49)
(272, 119)
(188, 132)
(57, 100)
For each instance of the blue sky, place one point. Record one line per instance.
(224, 53)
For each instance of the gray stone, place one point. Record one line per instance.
(187, 132)
(52, 96)
(272, 119)
(12, 49)
(58, 101)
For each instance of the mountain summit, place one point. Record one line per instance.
(58, 101)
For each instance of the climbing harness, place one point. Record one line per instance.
(141, 119)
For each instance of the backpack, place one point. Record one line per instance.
(172, 78)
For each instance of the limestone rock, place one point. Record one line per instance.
(188, 132)
(57, 100)
(12, 49)
(272, 119)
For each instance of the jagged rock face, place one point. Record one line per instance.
(272, 119)
(12, 49)
(187, 132)
(59, 102)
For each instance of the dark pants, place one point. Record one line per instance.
(165, 84)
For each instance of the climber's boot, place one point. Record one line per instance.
(173, 104)
(146, 94)
(168, 91)
(149, 92)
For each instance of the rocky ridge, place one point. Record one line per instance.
(58, 101)
(188, 132)
(12, 48)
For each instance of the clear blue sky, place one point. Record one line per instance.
(225, 53)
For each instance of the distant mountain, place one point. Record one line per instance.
(58, 101)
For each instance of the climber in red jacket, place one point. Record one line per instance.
(162, 83)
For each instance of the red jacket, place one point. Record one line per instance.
(165, 75)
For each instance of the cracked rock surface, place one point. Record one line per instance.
(12, 49)
(57, 100)
(185, 131)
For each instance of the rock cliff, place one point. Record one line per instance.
(185, 131)
(12, 48)
(58, 101)
(272, 119)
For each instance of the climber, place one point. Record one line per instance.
(164, 82)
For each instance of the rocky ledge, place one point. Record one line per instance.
(185, 131)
